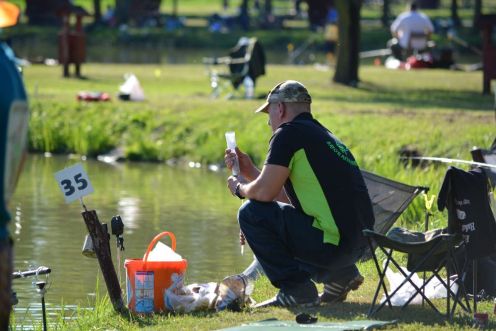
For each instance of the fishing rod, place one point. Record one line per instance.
(34, 272)
(448, 160)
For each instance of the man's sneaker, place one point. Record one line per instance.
(304, 296)
(338, 291)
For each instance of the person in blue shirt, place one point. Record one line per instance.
(13, 135)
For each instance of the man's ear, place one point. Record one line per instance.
(282, 109)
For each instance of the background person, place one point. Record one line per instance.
(306, 208)
(403, 26)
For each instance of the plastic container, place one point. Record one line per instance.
(146, 281)
(249, 87)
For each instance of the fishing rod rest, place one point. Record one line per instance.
(117, 226)
(41, 285)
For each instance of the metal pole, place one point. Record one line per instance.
(41, 289)
(44, 313)
(474, 283)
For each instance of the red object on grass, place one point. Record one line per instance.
(93, 96)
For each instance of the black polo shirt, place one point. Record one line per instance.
(324, 181)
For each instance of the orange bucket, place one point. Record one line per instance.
(146, 281)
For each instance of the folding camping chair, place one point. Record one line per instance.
(246, 62)
(418, 42)
(425, 254)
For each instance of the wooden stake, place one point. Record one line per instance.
(102, 249)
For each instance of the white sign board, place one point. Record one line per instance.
(74, 182)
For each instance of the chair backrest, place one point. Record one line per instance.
(389, 199)
(249, 59)
(465, 195)
(489, 157)
(417, 41)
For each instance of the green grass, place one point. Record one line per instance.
(102, 317)
(439, 112)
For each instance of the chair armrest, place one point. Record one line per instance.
(411, 247)
(217, 60)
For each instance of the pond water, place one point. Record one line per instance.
(193, 203)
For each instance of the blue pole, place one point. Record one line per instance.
(13, 110)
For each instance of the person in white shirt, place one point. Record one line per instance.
(411, 21)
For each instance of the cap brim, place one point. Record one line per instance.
(263, 108)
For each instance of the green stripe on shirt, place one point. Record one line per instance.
(311, 196)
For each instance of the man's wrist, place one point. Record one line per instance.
(237, 192)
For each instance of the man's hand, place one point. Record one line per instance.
(232, 182)
(246, 166)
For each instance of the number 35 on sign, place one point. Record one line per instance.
(73, 182)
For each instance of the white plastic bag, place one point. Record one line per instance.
(433, 290)
(162, 252)
(405, 292)
(131, 88)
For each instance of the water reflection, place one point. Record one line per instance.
(194, 204)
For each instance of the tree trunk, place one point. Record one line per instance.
(97, 11)
(349, 42)
(386, 13)
(244, 16)
(122, 11)
(268, 7)
(174, 8)
(454, 13)
(477, 12)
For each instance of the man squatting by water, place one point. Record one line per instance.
(306, 208)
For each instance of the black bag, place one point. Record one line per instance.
(466, 196)
(486, 274)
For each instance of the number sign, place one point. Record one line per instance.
(73, 182)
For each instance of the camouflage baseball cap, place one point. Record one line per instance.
(287, 91)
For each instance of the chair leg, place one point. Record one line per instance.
(448, 296)
(382, 275)
(461, 282)
(474, 285)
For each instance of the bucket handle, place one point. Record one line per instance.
(157, 238)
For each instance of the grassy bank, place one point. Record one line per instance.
(439, 113)
(415, 318)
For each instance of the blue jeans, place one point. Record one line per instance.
(290, 250)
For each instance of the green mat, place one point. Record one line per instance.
(276, 325)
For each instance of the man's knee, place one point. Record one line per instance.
(252, 211)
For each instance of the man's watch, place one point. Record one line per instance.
(237, 193)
